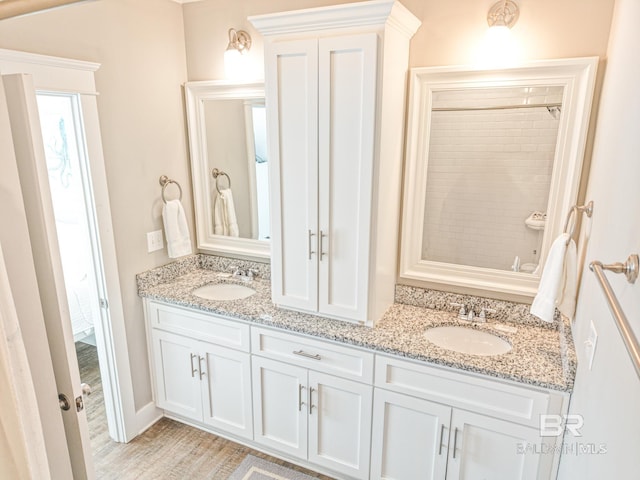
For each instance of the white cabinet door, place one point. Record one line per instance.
(486, 448)
(347, 108)
(280, 406)
(410, 437)
(321, 120)
(339, 424)
(292, 122)
(226, 389)
(177, 378)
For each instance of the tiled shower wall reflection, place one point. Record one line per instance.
(488, 170)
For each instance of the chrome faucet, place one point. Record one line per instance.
(468, 315)
(246, 275)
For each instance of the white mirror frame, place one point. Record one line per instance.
(196, 94)
(577, 76)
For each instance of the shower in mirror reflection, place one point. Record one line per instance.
(491, 157)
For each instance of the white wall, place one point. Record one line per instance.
(449, 33)
(608, 395)
(140, 44)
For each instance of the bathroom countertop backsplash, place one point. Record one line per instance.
(541, 355)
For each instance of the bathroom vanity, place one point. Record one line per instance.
(352, 401)
(322, 359)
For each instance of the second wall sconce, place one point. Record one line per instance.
(504, 13)
(239, 44)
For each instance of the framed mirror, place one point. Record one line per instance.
(229, 165)
(493, 163)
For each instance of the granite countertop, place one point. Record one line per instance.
(540, 356)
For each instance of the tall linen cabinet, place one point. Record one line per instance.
(335, 80)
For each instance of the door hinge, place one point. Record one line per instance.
(103, 303)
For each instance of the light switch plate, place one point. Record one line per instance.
(590, 344)
(154, 241)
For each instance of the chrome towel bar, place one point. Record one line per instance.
(164, 183)
(630, 269)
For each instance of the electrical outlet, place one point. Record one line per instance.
(590, 344)
(154, 241)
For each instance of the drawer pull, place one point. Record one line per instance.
(321, 248)
(311, 405)
(311, 252)
(455, 441)
(302, 353)
(441, 439)
(300, 402)
(202, 372)
(193, 369)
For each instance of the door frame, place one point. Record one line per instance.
(53, 74)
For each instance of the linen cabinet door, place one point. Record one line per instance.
(177, 378)
(291, 87)
(280, 406)
(347, 108)
(409, 439)
(484, 447)
(340, 424)
(226, 389)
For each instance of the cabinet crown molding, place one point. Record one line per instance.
(350, 15)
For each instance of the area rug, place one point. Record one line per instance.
(255, 468)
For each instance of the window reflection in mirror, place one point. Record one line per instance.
(236, 145)
(490, 164)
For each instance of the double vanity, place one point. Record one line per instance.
(349, 400)
(328, 357)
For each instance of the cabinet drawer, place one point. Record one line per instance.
(203, 326)
(313, 354)
(507, 402)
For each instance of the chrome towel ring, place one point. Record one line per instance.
(215, 173)
(164, 182)
(573, 214)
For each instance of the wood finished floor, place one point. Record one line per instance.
(168, 450)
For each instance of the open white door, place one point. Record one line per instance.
(27, 139)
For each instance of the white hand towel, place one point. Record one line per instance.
(553, 279)
(569, 287)
(224, 215)
(176, 229)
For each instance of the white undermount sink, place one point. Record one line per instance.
(223, 291)
(467, 340)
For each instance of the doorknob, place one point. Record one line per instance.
(63, 401)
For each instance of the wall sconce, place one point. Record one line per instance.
(234, 65)
(503, 14)
(498, 49)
